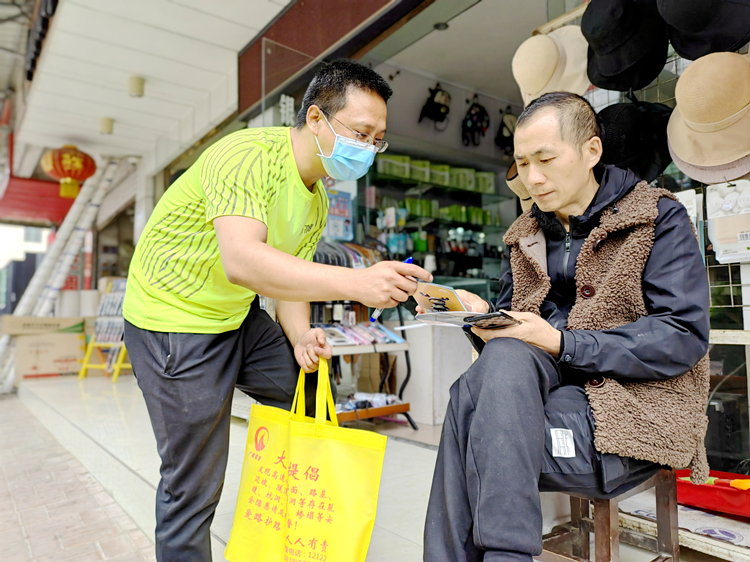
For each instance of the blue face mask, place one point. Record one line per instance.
(349, 160)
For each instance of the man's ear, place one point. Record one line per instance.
(592, 151)
(314, 118)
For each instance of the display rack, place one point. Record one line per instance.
(108, 337)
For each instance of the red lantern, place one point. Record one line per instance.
(70, 166)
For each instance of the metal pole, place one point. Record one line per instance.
(42, 273)
(47, 300)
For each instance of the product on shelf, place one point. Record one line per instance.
(393, 165)
(420, 170)
(364, 333)
(463, 178)
(728, 214)
(440, 174)
(485, 182)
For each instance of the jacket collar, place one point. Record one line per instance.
(615, 186)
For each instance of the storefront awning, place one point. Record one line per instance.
(33, 201)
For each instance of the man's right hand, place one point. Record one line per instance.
(386, 284)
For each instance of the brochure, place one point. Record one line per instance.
(443, 307)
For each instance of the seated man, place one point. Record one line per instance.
(606, 378)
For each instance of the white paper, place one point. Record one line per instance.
(563, 444)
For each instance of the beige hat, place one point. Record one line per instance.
(513, 181)
(555, 62)
(710, 126)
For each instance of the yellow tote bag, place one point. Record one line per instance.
(309, 488)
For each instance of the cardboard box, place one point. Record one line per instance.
(31, 325)
(49, 355)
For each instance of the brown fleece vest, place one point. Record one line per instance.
(659, 421)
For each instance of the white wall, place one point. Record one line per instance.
(411, 90)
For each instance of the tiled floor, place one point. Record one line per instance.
(51, 508)
(106, 428)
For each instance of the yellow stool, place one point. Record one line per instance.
(98, 346)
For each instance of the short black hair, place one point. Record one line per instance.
(578, 120)
(331, 83)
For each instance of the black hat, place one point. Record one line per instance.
(628, 43)
(699, 27)
(634, 136)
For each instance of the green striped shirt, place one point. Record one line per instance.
(177, 282)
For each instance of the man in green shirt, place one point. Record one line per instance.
(245, 220)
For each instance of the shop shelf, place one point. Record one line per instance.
(424, 222)
(415, 188)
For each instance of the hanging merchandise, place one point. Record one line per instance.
(709, 130)
(437, 106)
(475, 124)
(697, 27)
(555, 62)
(628, 43)
(634, 137)
(513, 181)
(504, 137)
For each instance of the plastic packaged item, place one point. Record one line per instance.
(728, 220)
(463, 178)
(420, 170)
(401, 216)
(393, 165)
(485, 182)
(440, 174)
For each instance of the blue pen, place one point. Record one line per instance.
(379, 311)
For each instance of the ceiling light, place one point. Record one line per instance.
(106, 125)
(135, 86)
(441, 26)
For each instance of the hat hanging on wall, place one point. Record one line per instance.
(628, 43)
(437, 106)
(709, 130)
(699, 27)
(634, 137)
(475, 123)
(513, 181)
(504, 136)
(555, 62)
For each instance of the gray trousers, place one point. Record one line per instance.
(188, 381)
(501, 445)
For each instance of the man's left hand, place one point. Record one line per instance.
(533, 330)
(310, 347)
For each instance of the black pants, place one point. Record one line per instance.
(188, 381)
(511, 431)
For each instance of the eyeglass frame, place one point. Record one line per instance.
(383, 143)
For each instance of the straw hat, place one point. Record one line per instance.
(516, 186)
(709, 130)
(555, 62)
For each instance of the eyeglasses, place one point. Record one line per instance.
(362, 138)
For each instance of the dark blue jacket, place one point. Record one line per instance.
(666, 343)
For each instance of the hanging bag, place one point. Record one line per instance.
(475, 123)
(504, 137)
(309, 488)
(437, 107)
